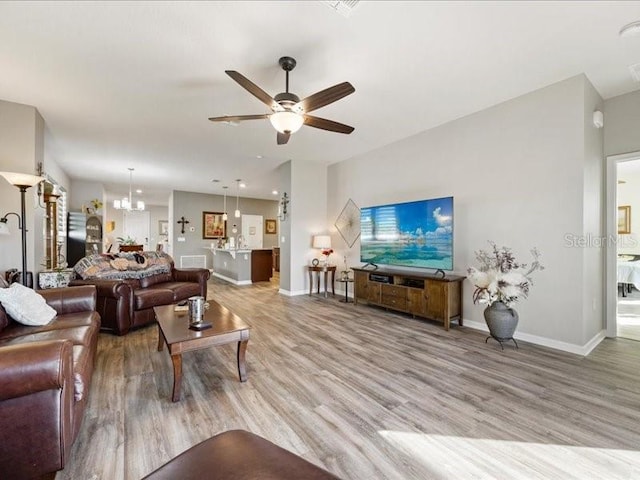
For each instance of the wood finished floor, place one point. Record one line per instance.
(368, 395)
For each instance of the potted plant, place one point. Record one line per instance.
(500, 281)
(126, 241)
(96, 205)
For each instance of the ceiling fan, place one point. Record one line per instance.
(289, 112)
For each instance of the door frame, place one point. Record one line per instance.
(611, 254)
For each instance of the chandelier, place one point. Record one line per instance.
(126, 203)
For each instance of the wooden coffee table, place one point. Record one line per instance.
(173, 329)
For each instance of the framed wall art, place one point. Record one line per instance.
(270, 226)
(213, 226)
(624, 219)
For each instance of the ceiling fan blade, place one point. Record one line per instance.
(283, 138)
(325, 97)
(324, 124)
(254, 90)
(239, 118)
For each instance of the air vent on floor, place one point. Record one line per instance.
(635, 71)
(343, 7)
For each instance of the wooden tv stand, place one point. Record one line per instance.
(423, 295)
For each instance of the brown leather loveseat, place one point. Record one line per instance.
(126, 303)
(45, 377)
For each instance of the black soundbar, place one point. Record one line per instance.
(380, 278)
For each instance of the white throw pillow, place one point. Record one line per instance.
(26, 306)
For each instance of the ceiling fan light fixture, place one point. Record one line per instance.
(286, 122)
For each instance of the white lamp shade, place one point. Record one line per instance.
(286, 122)
(4, 228)
(21, 179)
(225, 217)
(237, 213)
(116, 204)
(140, 205)
(321, 241)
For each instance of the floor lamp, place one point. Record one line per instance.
(22, 181)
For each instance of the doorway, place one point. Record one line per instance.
(136, 226)
(252, 231)
(623, 247)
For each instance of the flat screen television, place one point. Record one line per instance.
(411, 234)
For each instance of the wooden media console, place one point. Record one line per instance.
(422, 295)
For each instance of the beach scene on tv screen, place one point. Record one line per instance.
(412, 234)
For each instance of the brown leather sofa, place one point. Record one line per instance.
(127, 304)
(45, 375)
(238, 454)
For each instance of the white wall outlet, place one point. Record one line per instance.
(181, 239)
(281, 239)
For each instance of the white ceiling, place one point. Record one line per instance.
(131, 84)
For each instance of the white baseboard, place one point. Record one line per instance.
(547, 342)
(231, 280)
(289, 293)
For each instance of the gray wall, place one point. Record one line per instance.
(308, 218)
(622, 124)
(191, 205)
(593, 261)
(518, 172)
(284, 173)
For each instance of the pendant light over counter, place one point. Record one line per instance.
(224, 210)
(237, 212)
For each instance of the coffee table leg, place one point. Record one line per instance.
(177, 376)
(160, 339)
(242, 367)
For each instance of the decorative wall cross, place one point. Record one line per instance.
(183, 221)
(282, 209)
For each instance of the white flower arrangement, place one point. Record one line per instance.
(500, 278)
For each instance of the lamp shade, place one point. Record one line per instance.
(4, 228)
(322, 241)
(21, 179)
(286, 122)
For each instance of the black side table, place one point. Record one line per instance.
(346, 282)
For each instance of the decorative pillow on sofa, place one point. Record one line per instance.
(25, 305)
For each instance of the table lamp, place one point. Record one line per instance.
(323, 242)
